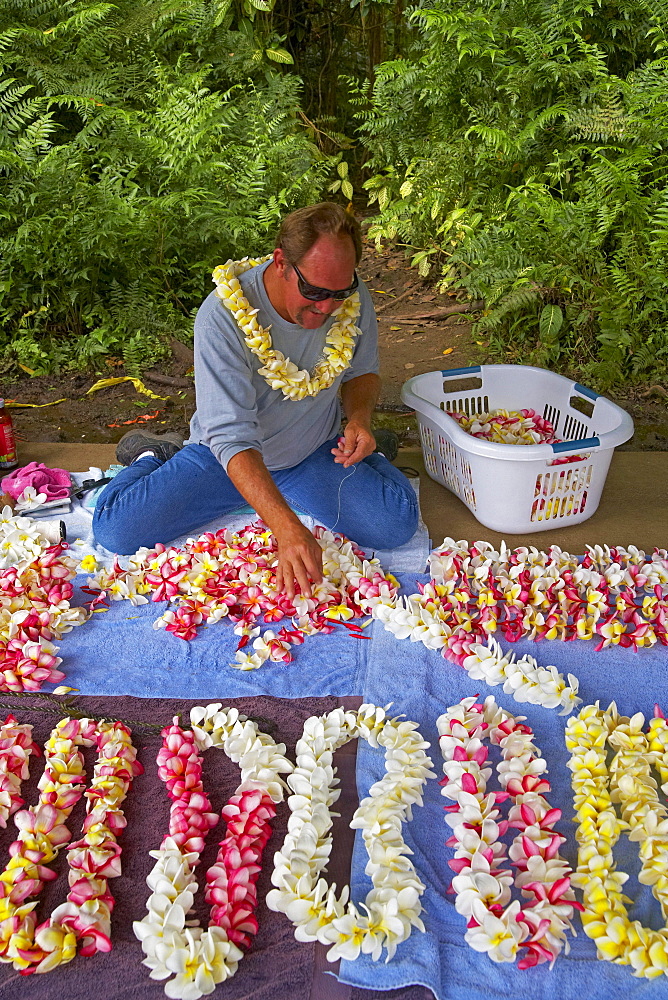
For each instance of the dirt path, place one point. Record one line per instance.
(409, 345)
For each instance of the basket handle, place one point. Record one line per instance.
(458, 372)
(583, 444)
(584, 391)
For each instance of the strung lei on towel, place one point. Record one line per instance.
(496, 926)
(627, 780)
(392, 907)
(618, 595)
(35, 591)
(85, 918)
(233, 575)
(278, 371)
(171, 940)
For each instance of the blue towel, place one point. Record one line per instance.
(423, 685)
(119, 652)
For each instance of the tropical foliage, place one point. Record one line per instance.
(140, 145)
(517, 148)
(521, 151)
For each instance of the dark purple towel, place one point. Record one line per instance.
(277, 967)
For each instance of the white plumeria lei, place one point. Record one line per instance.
(171, 941)
(525, 679)
(21, 540)
(393, 904)
(597, 786)
(497, 926)
(278, 371)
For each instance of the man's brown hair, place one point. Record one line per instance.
(301, 229)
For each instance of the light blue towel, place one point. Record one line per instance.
(119, 652)
(423, 685)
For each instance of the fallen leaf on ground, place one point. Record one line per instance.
(409, 365)
(103, 383)
(448, 350)
(33, 406)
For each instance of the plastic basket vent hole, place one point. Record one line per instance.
(584, 406)
(430, 463)
(561, 494)
(574, 430)
(552, 414)
(427, 436)
(452, 386)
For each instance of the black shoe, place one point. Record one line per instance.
(387, 443)
(133, 443)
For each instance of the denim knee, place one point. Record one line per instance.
(392, 530)
(116, 535)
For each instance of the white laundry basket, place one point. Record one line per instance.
(517, 488)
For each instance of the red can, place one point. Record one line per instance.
(8, 458)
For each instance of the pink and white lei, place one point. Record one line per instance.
(618, 595)
(233, 575)
(172, 942)
(35, 591)
(497, 926)
(16, 746)
(85, 917)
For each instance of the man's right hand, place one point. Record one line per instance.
(299, 555)
(299, 559)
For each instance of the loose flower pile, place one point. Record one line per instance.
(496, 926)
(171, 940)
(233, 575)
(520, 427)
(392, 907)
(35, 591)
(278, 371)
(597, 786)
(617, 595)
(85, 918)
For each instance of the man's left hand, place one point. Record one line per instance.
(357, 442)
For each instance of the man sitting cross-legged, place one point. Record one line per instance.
(274, 344)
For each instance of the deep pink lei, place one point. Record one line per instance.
(231, 881)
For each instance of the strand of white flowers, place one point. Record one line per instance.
(605, 917)
(278, 371)
(482, 883)
(173, 943)
(21, 539)
(524, 679)
(393, 904)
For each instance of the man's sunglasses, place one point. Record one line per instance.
(317, 294)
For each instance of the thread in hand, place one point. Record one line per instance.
(338, 511)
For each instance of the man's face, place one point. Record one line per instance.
(330, 263)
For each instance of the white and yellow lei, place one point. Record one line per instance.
(278, 371)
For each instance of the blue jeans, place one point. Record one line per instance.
(154, 501)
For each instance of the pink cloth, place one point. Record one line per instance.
(55, 483)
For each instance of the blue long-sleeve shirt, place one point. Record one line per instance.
(237, 410)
